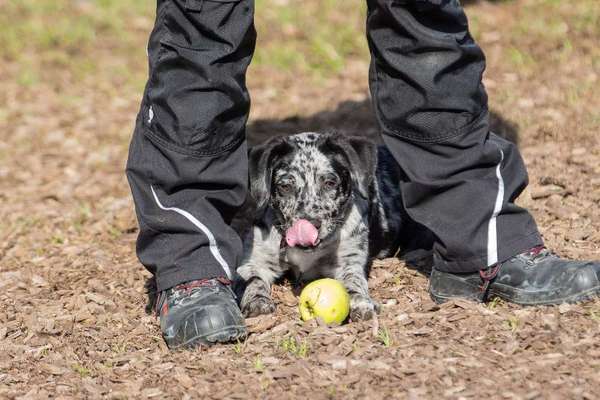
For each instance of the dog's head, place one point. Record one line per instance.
(310, 181)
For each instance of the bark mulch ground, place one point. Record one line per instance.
(72, 320)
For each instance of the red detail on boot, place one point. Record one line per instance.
(302, 233)
(487, 275)
(536, 250)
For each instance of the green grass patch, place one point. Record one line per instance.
(294, 346)
(513, 323)
(311, 37)
(106, 38)
(495, 302)
(239, 347)
(520, 58)
(64, 35)
(259, 366)
(43, 35)
(81, 370)
(385, 337)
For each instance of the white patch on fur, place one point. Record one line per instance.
(262, 258)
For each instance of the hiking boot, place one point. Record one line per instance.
(200, 312)
(535, 277)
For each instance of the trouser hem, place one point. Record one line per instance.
(173, 278)
(508, 250)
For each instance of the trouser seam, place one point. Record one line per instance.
(157, 140)
(418, 138)
(163, 34)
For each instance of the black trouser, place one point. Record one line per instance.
(188, 169)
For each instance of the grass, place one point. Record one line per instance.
(58, 239)
(315, 38)
(595, 315)
(239, 347)
(64, 25)
(294, 346)
(43, 352)
(520, 58)
(45, 35)
(259, 366)
(549, 20)
(84, 214)
(496, 301)
(385, 337)
(513, 323)
(81, 370)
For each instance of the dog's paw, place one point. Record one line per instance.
(258, 305)
(363, 308)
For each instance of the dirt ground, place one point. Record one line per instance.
(72, 320)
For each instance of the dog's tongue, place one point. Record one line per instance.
(302, 233)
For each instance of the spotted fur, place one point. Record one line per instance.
(347, 188)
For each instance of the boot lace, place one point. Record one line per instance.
(176, 295)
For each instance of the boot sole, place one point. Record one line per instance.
(461, 289)
(533, 298)
(467, 291)
(226, 335)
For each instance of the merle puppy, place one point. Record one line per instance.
(325, 205)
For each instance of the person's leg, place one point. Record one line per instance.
(461, 180)
(187, 164)
(432, 108)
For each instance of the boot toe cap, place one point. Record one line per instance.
(216, 322)
(587, 277)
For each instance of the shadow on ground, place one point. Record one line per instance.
(354, 118)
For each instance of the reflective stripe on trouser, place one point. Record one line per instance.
(187, 164)
(460, 180)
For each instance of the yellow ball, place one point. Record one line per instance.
(325, 298)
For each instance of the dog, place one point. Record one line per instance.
(324, 205)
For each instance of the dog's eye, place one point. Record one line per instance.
(330, 184)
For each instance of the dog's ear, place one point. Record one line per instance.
(261, 159)
(361, 156)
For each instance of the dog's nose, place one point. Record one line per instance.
(315, 223)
